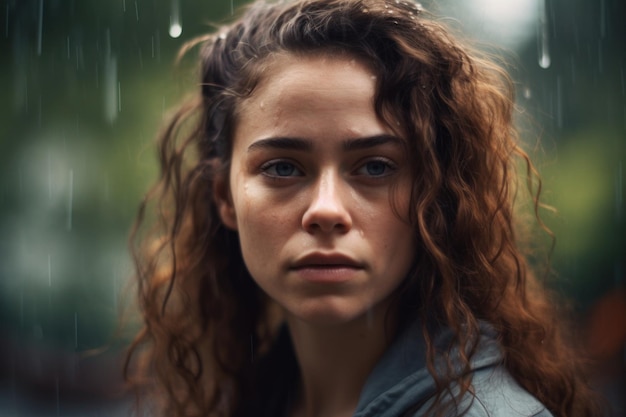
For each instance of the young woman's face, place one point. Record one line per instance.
(310, 190)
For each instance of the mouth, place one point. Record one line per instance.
(326, 268)
(326, 261)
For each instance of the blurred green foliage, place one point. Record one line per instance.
(86, 85)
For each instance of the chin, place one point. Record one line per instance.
(329, 312)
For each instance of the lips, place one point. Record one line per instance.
(322, 260)
(323, 268)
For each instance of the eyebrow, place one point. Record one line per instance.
(299, 144)
(370, 142)
(295, 144)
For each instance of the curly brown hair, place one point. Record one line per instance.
(203, 314)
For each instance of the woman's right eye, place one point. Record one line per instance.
(281, 169)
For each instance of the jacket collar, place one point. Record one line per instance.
(400, 380)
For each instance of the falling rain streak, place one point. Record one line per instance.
(40, 28)
(58, 404)
(579, 99)
(542, 35)
(49, 177)
(176, 28)
(70, 201)
(603, 18)
(559, 103)
(619, 197)
(112, 103)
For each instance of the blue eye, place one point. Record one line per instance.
(281, 169)
(376, 168)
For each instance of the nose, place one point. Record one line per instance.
(327, 211)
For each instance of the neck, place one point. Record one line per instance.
(335, 361)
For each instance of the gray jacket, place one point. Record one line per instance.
(400, 384)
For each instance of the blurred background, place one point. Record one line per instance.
(85, 86)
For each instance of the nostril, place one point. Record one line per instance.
(327, 211)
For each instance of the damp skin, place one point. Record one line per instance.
(310, 186)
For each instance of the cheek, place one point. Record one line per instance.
(260, 220)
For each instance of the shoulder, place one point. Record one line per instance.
(497, 394)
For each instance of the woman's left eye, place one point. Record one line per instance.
(376, 168)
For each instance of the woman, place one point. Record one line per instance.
(336, 233)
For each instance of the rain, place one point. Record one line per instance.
(87, 86)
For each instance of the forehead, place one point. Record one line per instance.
(285, 76)
(311, 96)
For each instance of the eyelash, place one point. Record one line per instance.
(390, 167)
(266, 167)
(272, 165)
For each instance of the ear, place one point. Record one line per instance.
(223, 200)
